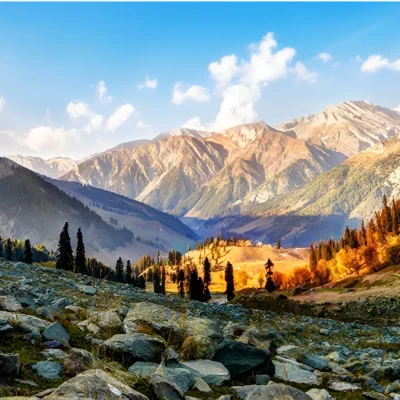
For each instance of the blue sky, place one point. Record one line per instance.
(70, 73)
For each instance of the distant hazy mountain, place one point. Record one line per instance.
(347, 194)
(32, 207)
(53, 167)
(205, 175)
(348, 128)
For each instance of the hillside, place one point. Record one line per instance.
(208, 175)
(53, 167)
(348, 128)
(345, 195)
(31, 207)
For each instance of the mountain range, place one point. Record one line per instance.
(301, 181)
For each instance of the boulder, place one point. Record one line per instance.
(6, 330)
(243, 391)
(289, 350)
(319, 394)
(165, 389)
(201, 385)
(262, 379)
(344, 387)
(277, 391)
(233, 330)
(135, 347)
(315, 362)
(180, 376)
(10, 303)
(167, 322)
(98, 384)
(107, 319)
(241, 359)
(26, 323)
(78, 361)
(9, 363)
(57, 332)
(48, 369)
(57, 354)
(88, 290)
(142, 369)
(293, 373)
(198, 347)
(212, 372)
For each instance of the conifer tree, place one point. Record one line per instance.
(80, 259)
(196, 286)
(278, 244)
(65, 259)
(8, 251)
(313, 258)
(230, 282)
(181, 283)
(119, 269)
(395, 221)
(157, 280)
(163, 280)
(207, 279)
(269, 285)
(141, 282)
(128, 273)
(28, 256)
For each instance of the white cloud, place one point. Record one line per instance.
(244, 81)
(119, 117)
(224, 70)
(101, 92)
(194, 123)
(94, 123)
(303, 74)
(397, 108)
(193, 93)
(148, 84)
(142, 125)
(376, 62)
(45, 138)
(78, 110)
(10, 134)
(2, 103)
(324, 57)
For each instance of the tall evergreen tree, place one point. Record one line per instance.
(157, 280)
(80, 259)
(196, 286)
(8, 251)
(65, 258)
(207, 279)
(313, 258)
(230, 282)
(119, 269)
(28, 255)
(270, 285)
(141, 282)
(163, 280)
(128, 273)
(181, 283)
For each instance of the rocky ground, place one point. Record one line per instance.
(67, 335)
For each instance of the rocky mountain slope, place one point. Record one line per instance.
(31, 207)
(65, 335)
(53, 167)
(320, 209)
(348, 128)
(208, 176)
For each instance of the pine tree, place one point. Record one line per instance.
(163, 280)
(395, 221)
(28, 256)
(8, 251)
(313, 258)
(269, 286)
(119, 269)
(128, 273)
(207, 279)
(80, 259)
(230, 282)
(65, 259)
(181, 283)
(157, 280)
(278, 244)
(141, 282)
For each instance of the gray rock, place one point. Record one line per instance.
(57, 354)
(319, 394)
(198, 347)
(262, 379)
(233, 330)
(26, 323)
(49, 369)
(98, 384)
(243, 391)
(315, 362)
(165, 389)
(212, 372)
(344, 387)
(135, 347)
(374, 396)
(62, 303)
(277, 391)
(180, 376)
(292, 373)
(142, 369)
(289, 350)
(78, 361)
(107, 319)
(57, 332)
(88, 290)
(6, 330)
(241, 359)
(201, 385)
(9, 363)
(10, 303)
